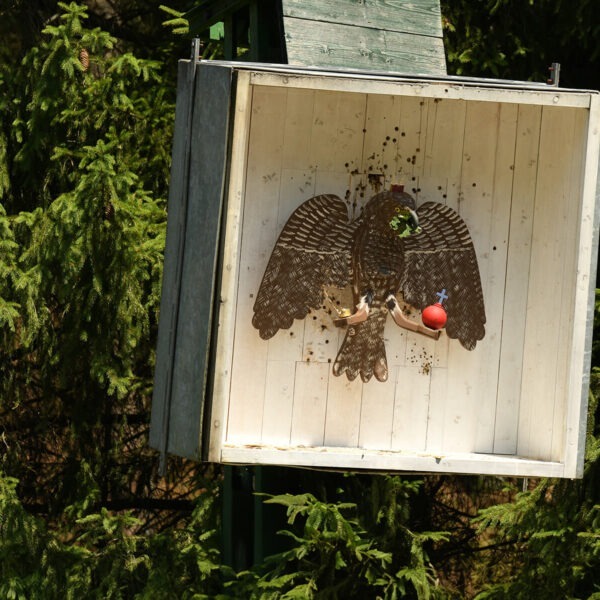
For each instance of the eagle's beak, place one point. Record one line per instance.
(414, 221)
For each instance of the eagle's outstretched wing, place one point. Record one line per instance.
(441, 257)
(312, 251)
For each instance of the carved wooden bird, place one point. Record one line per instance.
(391, 249)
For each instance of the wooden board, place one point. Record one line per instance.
(330, 44)
(198, 289)
(377, 35)
(587, 264)
(190, 276)
(361, 458)
(438, 88)
(525, 169)
(177, 206)
(421, 18)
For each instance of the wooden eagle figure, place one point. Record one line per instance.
(391, 249)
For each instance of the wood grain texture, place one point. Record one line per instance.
(376, 34)
(230, 268)
(422, 17)
(423, 89)
(342, 46)
(517, 278)
(465, 394)
(208, 155)
(356, 459)
(259, 232)
(169, 303)
(544, 358)
(581, 350)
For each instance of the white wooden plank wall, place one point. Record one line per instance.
(548, 325)
(571, 214)
(259, 232)
(525, 165)
(467, 399)
(481, 158)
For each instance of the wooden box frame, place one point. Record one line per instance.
(519, 163)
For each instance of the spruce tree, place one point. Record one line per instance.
(85, 140)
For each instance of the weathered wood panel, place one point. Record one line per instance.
(361, 458)
(310, 404)
(208, 166)
(228, 296)
(549, 279)
(177, 208)
(443, 89)
(464, 397)
(517, 278)
(496, 248)
(260, 227)
(411, 410)
(587, 263)
(342, 46)
(199, 167)
(342, 419)
(378, 407)
(422, 17)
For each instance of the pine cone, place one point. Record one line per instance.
(109, 211)
(84, 59)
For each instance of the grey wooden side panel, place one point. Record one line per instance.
(422, 17)
(169, 303)
(345, 46)
(208, 167)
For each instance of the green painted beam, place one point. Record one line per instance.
(209, 12)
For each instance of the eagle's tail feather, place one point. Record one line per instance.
(363, 350)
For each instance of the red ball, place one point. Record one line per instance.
(434, 316)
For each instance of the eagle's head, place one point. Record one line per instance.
(397, 209)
